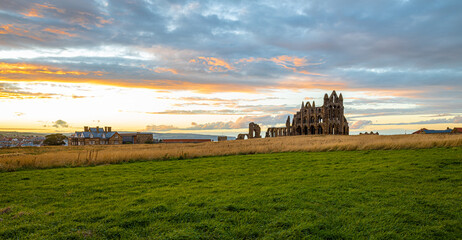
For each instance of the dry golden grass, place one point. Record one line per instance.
(49, 157)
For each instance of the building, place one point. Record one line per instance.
(457, 131)
(222, 138)
(311, 120)
(427, 131)
(95, 136)
(137, 138)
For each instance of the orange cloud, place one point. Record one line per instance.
(162, 70)
(24, 95)
(166, 85)
(33, 69)
(36, 12)
(103, 21)
(288, 62)
(33, 13)
(84, 19)
(251, 59)
(391, 92)
(26, 72)
(214, 64)
(9, 29)
(294, 61)
(59, 32)
(50, 7)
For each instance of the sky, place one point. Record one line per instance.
(212, 67)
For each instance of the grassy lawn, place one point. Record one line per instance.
(377, 194)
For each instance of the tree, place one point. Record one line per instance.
(54, 139)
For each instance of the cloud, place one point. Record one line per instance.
(15, 69)
(10, 29)
(213, 125)
(360, 124)
(162, 70)
(60, 124)
(292, 63)
(160, 128)
(455, 119)
(59, 32)
(213, 64)
(198, 112)
(242, 122)
(12, 91)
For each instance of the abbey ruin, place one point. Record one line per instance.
(312, 120)
(329, 119)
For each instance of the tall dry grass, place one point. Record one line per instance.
(49, 157)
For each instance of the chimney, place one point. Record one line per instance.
(85, 129)
(97, 129)
(109, 129)
(105, 129)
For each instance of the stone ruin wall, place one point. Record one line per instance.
(254, 132)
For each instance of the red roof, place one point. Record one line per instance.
(420, 131)
(457, 130)
(186, 140)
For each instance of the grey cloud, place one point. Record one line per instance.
(160, 128)
(455, 119)
(60, 124)
(360, 124)
(12, 91)
(242, 122)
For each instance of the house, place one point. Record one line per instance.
(457, 131)
(95, 136)
(137, 138)
(426, 131)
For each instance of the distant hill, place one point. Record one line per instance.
(156, 135)
(21, 134)
(186, 136)
(182, 136)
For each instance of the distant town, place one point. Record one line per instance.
(19, 140)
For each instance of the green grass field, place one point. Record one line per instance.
(376, 194)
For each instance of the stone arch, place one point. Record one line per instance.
(305, 130)
(254, 130)
(298, 131)
(331, 129)
(320, 130)
(312, 130)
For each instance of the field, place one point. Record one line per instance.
(367, 194)
(49, 157)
